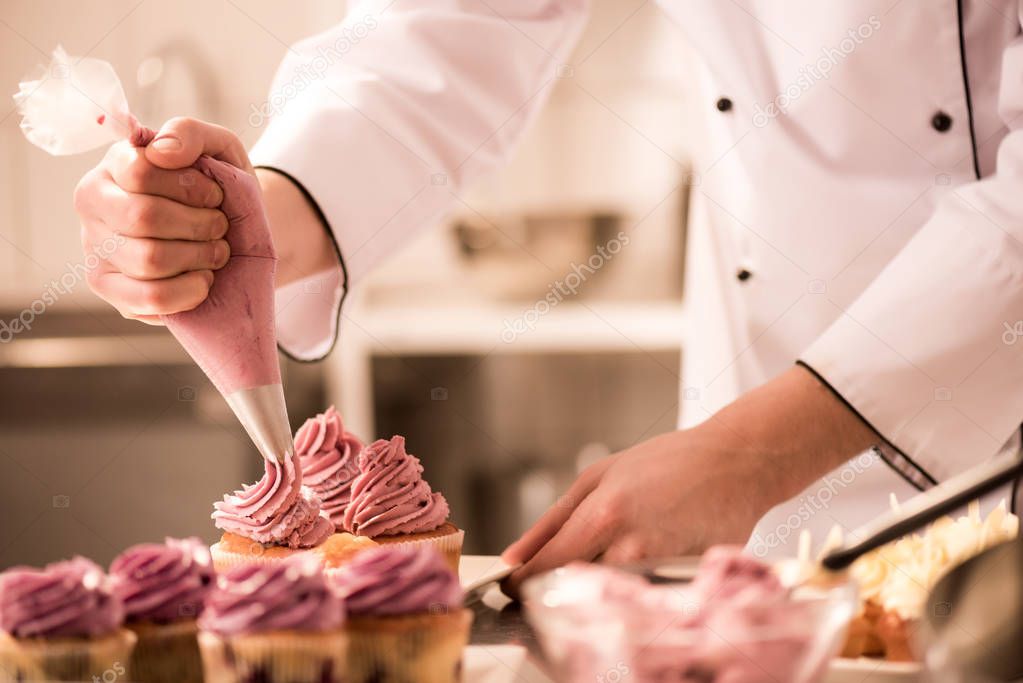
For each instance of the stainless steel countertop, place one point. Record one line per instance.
(499, 621)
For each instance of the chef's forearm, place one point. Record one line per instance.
(300, 236)
(790, 431)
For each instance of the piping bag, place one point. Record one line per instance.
(79, 104)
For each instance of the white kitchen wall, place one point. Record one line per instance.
(11, 211)
(617, 135)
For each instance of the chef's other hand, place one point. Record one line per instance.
(154, 221)
(681, 492)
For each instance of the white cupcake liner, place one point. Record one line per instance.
(66, 659)
(449, 545)
(166, 653)
(225, 560)
(425, 648)
(275, 657)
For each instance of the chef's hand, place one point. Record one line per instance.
(681, 492)
(154, 221)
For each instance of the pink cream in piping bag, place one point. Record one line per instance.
(79, 104)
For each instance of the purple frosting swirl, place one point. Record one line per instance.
(393, 581)
(69, 598)
(163, 582)
(292, 595)
(274, 509)
(390, 496)
(327, 454)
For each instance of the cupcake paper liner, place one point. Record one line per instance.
(424, 648)
(447, 540)
(166, 653)
(275, 657)
(225, 560)
(66, 659)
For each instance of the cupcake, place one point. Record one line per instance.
(273, 623)
(392, 504)
(406, 621)
(61, 623)
(162, 586)
(269, 520)
(328, 456)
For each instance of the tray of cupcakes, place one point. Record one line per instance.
(339, 564)
(163, 615)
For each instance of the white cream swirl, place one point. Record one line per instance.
(900, 575)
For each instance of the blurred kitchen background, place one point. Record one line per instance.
(110, 436)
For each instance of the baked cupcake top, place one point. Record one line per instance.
(72, 598)
(163, 582)
(390, 496)
(327, 455)
(285, 596)
(390, 581)
(274, 509)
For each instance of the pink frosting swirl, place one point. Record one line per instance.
(727, 572)
(163, 582)
(390, 581)
(288, 595)
(390, 496)
(327, 454)
(70, 598)
(275, 510)
(734, 622)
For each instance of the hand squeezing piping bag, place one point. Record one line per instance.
(78, 105)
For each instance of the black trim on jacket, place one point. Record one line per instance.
(1013, 499)
(340, 259)
(966, 88)
(894, 456)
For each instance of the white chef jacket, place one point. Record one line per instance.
(859, 204)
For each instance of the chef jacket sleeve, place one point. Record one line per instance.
(931, 353)
(383, 121)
